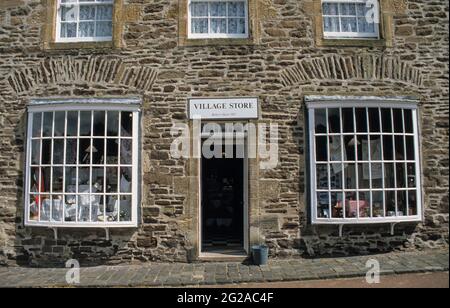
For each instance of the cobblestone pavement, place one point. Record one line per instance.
(177, 274)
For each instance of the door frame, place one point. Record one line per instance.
(245, 216)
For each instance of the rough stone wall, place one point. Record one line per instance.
(280, 70)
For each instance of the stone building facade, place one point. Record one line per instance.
(284, 59)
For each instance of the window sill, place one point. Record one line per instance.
(368, 221)
(79, 45)
(350, 42)
(128, 225)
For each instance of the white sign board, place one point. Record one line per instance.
(226, 108)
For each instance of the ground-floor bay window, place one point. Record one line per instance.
(364, 160)
(82, 163)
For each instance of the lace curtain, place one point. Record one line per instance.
(347, 17)
(89, 18)
(218, 17)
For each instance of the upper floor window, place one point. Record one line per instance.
(351, 18)
(82, 164)
(84, 20)
(364, 161)
(218, 19)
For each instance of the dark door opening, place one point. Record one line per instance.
(222, 205)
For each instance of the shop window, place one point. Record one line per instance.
(218, 19)
(82, 165)
(84, 20)
(350, 18)
(364, 161)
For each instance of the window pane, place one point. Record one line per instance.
(112, 208)
(330, 9)
(37, 122)
(377, 175)
(331, 24)
(410, 150)
(34, 207)
(347, 120)
(399, 148)
(350, 176)
(85, 123)
(57, 208)
(351, 205)
(398, 121)
(113, 123)
(320, 119)
(46, 152)
(401, 175)
(71, 180)
(199, 9)
(377, 204)
(363, 148)
(388, 148)
(218, 9)
(365, 26)
(99, 123)
(96, 207)
(126, 151)
(46, 179)
(321, 149)
(111, 180)
(364, 176)
(125, 180)
(35, 152)
(98, 151)
(349, 24)
(125, 208)
(72, 123)
(104, 12)
(48, 124)
(84, 175)
(68, 30)
(322, 176)
(60, 122)
(409, 129)
(200, 25)
(35, 182)
(390, 203)
(334, 120)
(68, 13)
(58, 151)
(401, 203)
(98, 178)
(389, 175)
(323, 205)
(103, 29)
(218, 25)
(84, 157)
(236, 9)
(386, 120)
(374, 120)
(84, 207)
(127, 124)
(71, 210)
(347, 9)
(87, 29)
(364, 204)
(361, 120)
(375, 148)
(412, 203)
(87, 12)
(112, 151)
(337, 204)
(350, 142)
(45, 208)
(57, 185)
(411, 169)
(336, 176)
(71, 151)
(335, 148)
(236, 26)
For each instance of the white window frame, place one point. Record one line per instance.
(350, 35)
(53, 105)
(322, 102)
(76, 39)
(217, 35)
